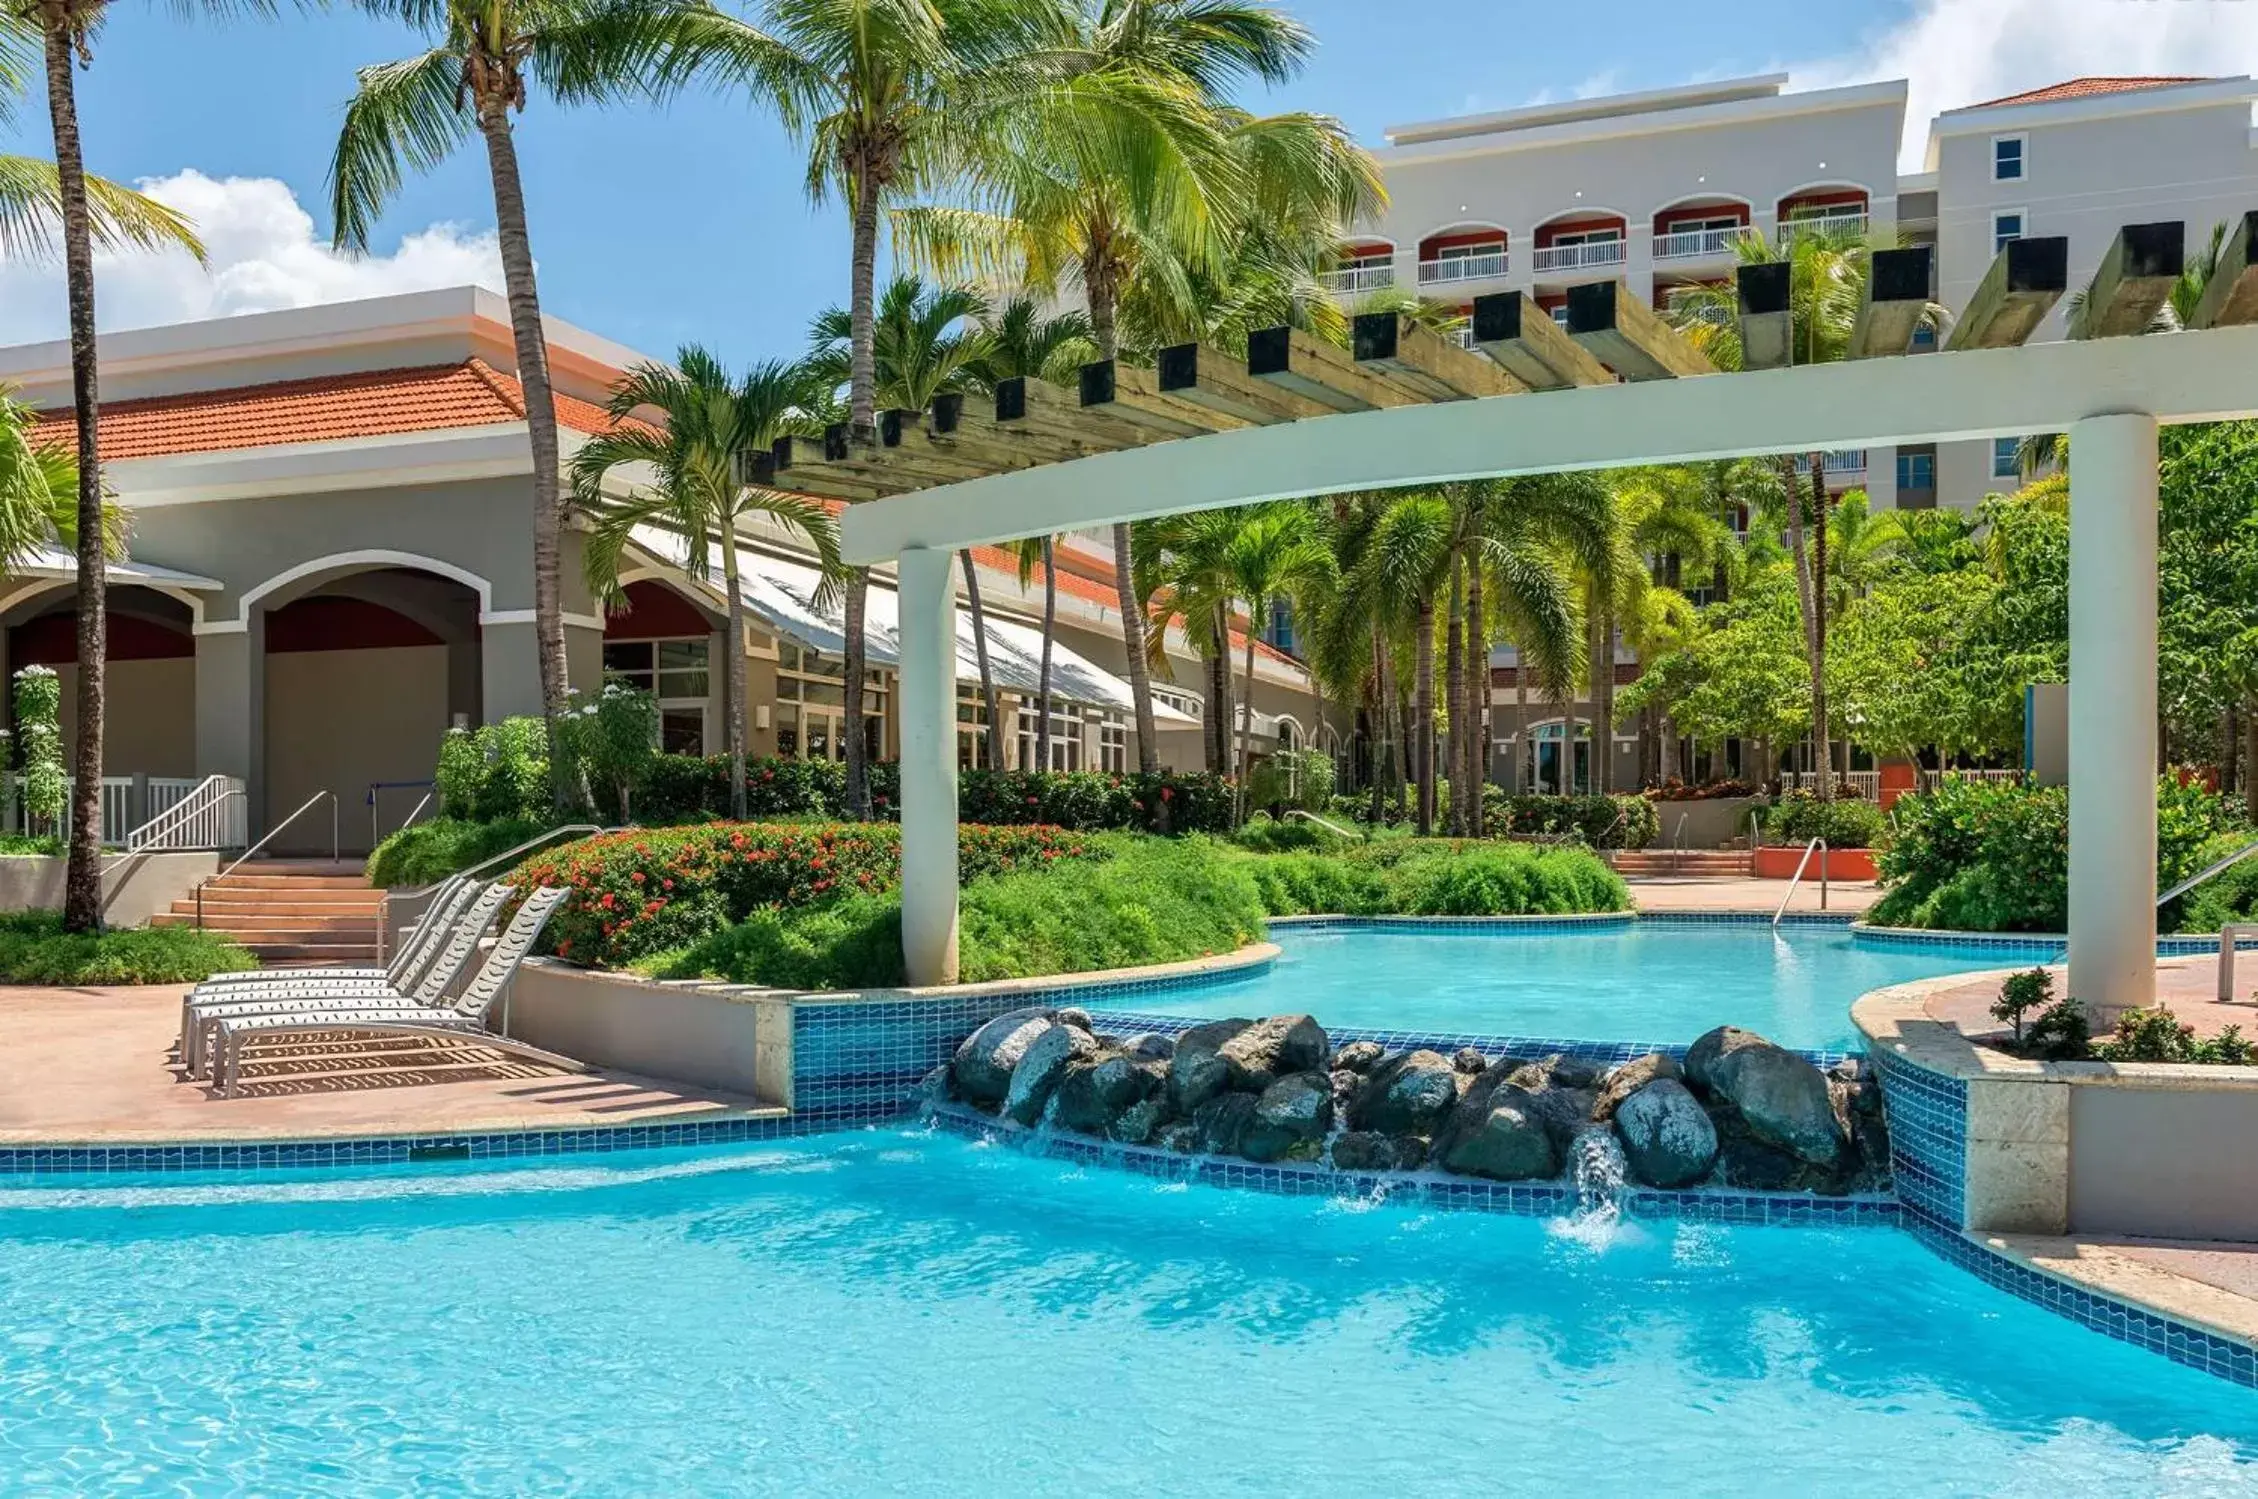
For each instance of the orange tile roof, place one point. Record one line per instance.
(2083, 88)
(325, 408)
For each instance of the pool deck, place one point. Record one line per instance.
(95, 1066)
(1734, 895)
(2189, 985)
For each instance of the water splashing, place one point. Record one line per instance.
(1601, 1177)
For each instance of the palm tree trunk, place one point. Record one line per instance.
(1478, 718)
(1043, 676)
(1423, 713)
(1099, 289)
(862, 420)
(1603, 716)
(995, 727)
(1826, 754)
(1523, 751)
(1454, 689)
(1383, 724)
(856, 610)
(82, 880)
(1246, 726)
(532, 352)
(1805, 593)
(734, 675)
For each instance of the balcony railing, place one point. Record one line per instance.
(1369, 275)
(1839, 461)
(1691, 244)
(1465, 336)
(1462, 267)
(1853, 222)
(1577, 257)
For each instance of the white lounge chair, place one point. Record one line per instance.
(465, 1020)
(316, 992)
(418, 945)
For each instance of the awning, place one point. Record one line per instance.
(54, 562)
(783, 595)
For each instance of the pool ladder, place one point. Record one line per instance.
(1820, 845)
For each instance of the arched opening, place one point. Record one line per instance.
(1830, 208)
(656, 639)
(1364, 265)
(1581, 239)
(1701, 228)
(1560, 766)
(1462, 252)
(149, 675)
(364, 670)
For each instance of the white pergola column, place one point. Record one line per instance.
(929, 764)
(2113, 714)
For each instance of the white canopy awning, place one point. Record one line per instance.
(55, 562)
(783, 595)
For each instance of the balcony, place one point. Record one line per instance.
(1696, 244)
(1840, 461)
(1369, 275)
(1462, 267)
(1580, 257)
(1848, 222)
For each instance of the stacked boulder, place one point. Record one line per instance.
(1738, 1111)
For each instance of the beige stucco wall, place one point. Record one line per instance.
(134, 887)
(2166, 1160)
(149, 725)
(337, 720)
(683, 1034)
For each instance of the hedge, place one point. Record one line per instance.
(1595, 821)
(34, 949)
(647, 890)
(1434, 877)
(1845, 822)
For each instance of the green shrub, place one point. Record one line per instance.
(1166, 802)
(650, 890)
(1595, 821)
(1305, 884)
(425, 852)
(1264, 835)
(1292, 778)
(1992, 856)
(34, 949)
(45, 787)
(2231, 896)
(856, 942)
(1509, 880)
(496, 773)
(1845, 822)
(26, 846)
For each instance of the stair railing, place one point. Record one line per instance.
(197, 821)
(1820, 845)
(304, 807)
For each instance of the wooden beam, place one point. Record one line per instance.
(1133, 396)
(1427, 361)
(902, 448)
(1209, 378)
(1522, 339)
(955, 425)
(2230, 297)
(1629, 337)
(1890, 304)
(819, 466)
(1767, 317)
(2026, 279)
(1040, 407)
(1308, 366)
(2139, 270)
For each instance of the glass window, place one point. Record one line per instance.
(674, 672)
(2007, 158)
(1470, 252)
(1066, 736)
(2006, 226)
(1113, 745)
(682, 731)
(811, 692)
(2003, 464)
(1560, 314)
(1916, 471)
(1588, 237)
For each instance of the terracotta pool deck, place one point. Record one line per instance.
(1733, 894)
(2189, 985)
(95, 1066)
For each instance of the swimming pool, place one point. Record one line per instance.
(897, 1311)
(1664, 982)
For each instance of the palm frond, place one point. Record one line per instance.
(406, 116)
(122, 219)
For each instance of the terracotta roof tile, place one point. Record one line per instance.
(375, 403)
(2082, 88)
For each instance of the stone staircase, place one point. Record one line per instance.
(290, 911)
(1691, 863)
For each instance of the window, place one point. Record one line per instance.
(1916, 471)
(1560, 314)
(1470, 252)
(1925, 336)
(2006, 226)
(1588, 237)
(2003, 463)
(972, 730)
(674, 672)
(811, 698)
(2007, 158)
(1113, 744)
(1066, 736)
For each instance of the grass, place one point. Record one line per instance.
(24, 846)
(1142, 901)
(427, 852)
(34, 949)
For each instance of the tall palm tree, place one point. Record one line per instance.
(1275, 553)
(65, 31)
(485, 59)
(1128, 174)
(886, 95)
(707, 464)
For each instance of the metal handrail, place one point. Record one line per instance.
(1331, 827)
(303, 808)
(1678, 845)
(2221, 867)
(373, 801)
(384, 904)
(210, 794)
(1802, 864)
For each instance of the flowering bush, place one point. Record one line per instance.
(1675, 790)
(39, 699)
(643, 891)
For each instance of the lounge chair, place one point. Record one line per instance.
(418, 945)
(317, 991)
(464, 1020)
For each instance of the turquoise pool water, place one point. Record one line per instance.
(1662, 982)
(899, 1312)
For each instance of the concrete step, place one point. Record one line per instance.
(265, 881)
(252, 921)
(1704, 862)
(310, 954)
(307, 902)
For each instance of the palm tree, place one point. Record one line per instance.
(65, 33)
(707, 461)
(886, 95)
(411, 115)
(1275, 552)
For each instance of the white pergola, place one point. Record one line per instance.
(2109, 392)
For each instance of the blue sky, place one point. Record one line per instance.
(655, 226)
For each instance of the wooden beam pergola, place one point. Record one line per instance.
(2027, 277)
(2230, 299)
(1893, 301)
(1527, 344)
(2139, 270)
(1628, 336)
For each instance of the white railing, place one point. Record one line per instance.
(1462, 267)
(1839, 461)
(1865, 783)
(117, 800)
(1822, 223)
(1688, 244)
(206, 814)
(1986, 775)
(1465, 336)
(1576, 257)
(1370, 275)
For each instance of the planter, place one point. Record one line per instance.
(1779, 861)
(135, 887)
(1713, 822)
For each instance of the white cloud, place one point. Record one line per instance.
(264, 253)
(1959, 52)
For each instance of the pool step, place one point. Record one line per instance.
(1710, 862)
